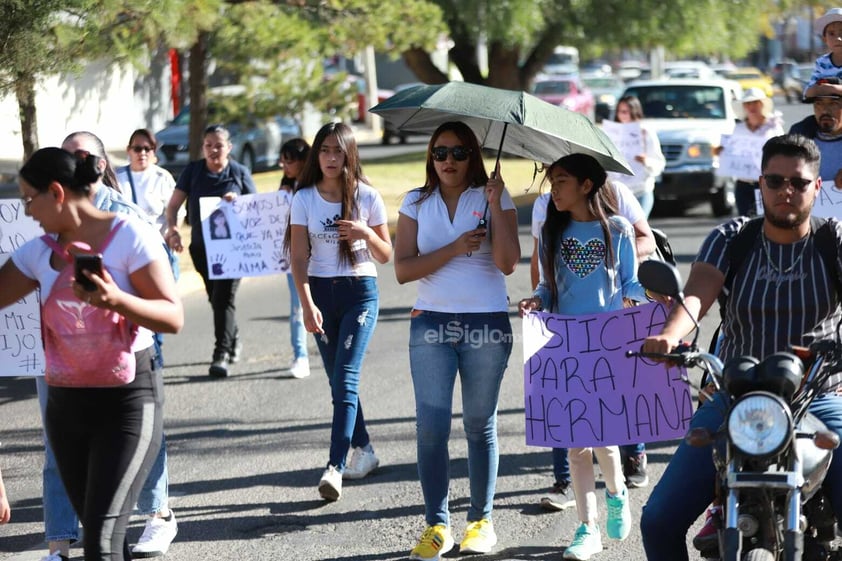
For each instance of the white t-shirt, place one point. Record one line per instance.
(153, 188)
(133, 247)
(629, 208)
(464, 284)
(319, 216)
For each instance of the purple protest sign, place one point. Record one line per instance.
(582, 390)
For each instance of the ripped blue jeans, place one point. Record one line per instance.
(349, 307)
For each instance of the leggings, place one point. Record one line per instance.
(105, 441)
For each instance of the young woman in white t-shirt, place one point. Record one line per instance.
(457, 236)
(337, 230)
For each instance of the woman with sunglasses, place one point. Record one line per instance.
(293, 155)
(337, 231)
(146, 184)
(457, 236)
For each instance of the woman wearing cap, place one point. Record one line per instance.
(761, 121)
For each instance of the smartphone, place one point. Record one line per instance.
(87, 262)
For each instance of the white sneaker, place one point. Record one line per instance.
(330, 485)
(55, 556)
(362, 463)
(300, 367)
(156, 537)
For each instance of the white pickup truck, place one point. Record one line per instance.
(690, 116)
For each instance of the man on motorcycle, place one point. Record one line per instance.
(782, 294)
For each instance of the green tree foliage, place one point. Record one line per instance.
(44, 37)
(521, 34)
(281, 62)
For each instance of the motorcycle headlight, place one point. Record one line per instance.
(759, 424)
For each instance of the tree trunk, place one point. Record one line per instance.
(198, 94)
(419, 62)
(503, 68)
(25, 93)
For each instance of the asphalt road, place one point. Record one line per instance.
(246, 452)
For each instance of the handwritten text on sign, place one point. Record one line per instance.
(21, 351)
(741, 154)
(581, 390)
(245, 238)
(628, 138)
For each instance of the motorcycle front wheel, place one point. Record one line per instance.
(759, 555)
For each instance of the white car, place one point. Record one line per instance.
(690, 116)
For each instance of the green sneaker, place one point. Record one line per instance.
(479, 537)
(586, 542)
(618, 525)
(434, 541)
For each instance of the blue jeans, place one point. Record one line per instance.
(687, 486)
(647, 201)
(561, 465)
(477, 346)
(297, 333)
(744, 196)
(349, 307)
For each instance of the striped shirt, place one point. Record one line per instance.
(781, 295)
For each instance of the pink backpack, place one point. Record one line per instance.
(84, 346)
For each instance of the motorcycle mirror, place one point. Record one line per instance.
(665, 279)
(826, 440)
(660, 277)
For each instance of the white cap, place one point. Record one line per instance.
(832, 15)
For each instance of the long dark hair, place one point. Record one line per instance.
(602, 203)
(293, 149)
(73, 173)
(476, 168)
(109, 178)
(352, 175)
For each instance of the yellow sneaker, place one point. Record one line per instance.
(479, 537)
(435, 541)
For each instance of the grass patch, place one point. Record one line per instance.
(394, 175)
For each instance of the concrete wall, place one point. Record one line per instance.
(110, 101)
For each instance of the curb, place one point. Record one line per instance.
(189, 281)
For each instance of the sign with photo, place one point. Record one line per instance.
(245, 237)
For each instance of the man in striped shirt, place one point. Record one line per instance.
(782, 294)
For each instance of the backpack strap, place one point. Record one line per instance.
(66, 256)
(827, 245)
(128, 170)
(737, 251)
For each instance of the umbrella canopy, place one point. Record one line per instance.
(526, 126)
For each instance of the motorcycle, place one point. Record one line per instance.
(771, 455)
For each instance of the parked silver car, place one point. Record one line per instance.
(256, 143)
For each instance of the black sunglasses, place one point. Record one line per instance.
(460, 153)
(775, 182)
(137, 149)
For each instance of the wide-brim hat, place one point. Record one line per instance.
(834, 14)
(756, 94)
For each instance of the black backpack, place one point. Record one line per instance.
(826, 243)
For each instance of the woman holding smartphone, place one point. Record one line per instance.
(457, 236)
(110, 435)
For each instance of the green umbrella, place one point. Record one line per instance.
(514, 122)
